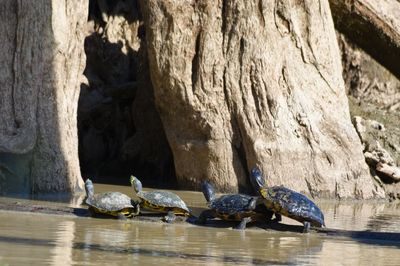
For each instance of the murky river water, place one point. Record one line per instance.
(37, 239)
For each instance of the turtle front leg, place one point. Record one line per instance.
(207, 214)
(306, 228)
(170, 217)
(243, 223)
(136, 210)
(253, 218)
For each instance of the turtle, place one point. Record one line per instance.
(110, 203)
(233, 207)
(160, 201)
(284, 201)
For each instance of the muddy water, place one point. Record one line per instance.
(34, 239)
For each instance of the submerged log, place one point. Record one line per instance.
(328, 232)
(372, 25)
(72, 211)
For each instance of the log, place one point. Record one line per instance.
(22, 206)
(372, 25)
(148, 217)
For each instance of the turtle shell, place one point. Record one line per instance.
(233, 206)
(292, 204)
(109, 202)
(162, 201)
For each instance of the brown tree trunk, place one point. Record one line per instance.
(245, 83)
(42, 65)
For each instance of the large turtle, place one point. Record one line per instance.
(160, 201)
(284, 201)
(233, 207)
(110, 203)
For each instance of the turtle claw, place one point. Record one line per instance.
(170, 217)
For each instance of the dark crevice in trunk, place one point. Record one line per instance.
(120, 131)
(195, 63)
(260, 9)
(239, 149)
(224, 15)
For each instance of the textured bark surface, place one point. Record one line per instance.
(239, 84)
(42, 62)
(374, 26)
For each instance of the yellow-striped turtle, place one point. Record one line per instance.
(160, 201)
(284, 201)
(110, 203)
(233, 207)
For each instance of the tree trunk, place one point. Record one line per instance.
(245, 83)
(374, 26)
(43, 61)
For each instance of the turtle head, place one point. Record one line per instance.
(208, 191)
(89, 188)
(257, 179)
(136, 184)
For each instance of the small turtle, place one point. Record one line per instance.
(233, 207)
(284, 201)
(160, 201)
(110, 203)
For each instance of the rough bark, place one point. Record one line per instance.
(43, 60)
(374, 26)
(239, 84)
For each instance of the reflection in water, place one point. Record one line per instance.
(356, 215)
(52, 240)
(386, 220)
(62, 252)
(346, 252)
(2, 263)
(133, 251)
(383, 222)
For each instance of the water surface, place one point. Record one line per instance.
(37, 239)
